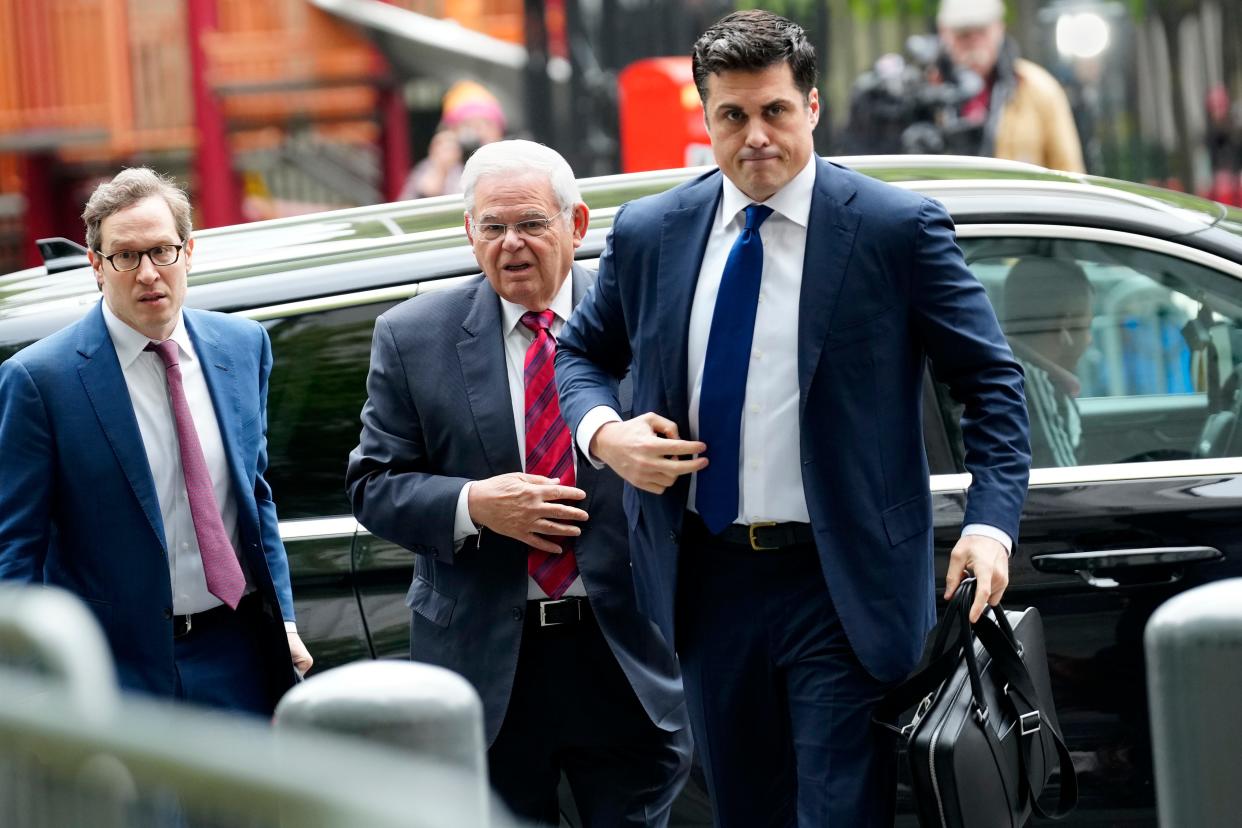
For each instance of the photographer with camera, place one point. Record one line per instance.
(965, 93)
(911, 104)
(471, 117)
(1023, 111)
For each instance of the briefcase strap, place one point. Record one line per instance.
(1002, 647)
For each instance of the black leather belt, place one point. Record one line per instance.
(761, 537)
(554, 613)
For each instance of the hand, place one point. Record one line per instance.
(444, 152)
(301, 656)
(988, 561)
(644, 451)
(521, 506)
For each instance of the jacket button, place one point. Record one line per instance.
(518, 613)
(672, 536)
(167, 613)
(434, 552)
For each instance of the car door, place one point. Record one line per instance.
(1137, 480)
(321, 349)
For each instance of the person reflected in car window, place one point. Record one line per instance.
(1047, 318)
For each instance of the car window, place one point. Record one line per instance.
(1129, 355)
(316, 392)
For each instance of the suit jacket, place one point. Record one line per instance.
(884, 287)
(439, 414)
(78, 507)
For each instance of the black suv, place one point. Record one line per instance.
(1145, 505)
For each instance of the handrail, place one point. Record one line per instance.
(55, 633)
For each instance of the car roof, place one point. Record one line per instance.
(300, 257)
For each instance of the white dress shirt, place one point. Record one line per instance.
(147, 381)
(517, 338)
(769, 462)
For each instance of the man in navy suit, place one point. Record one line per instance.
(776, 317)
(522, 579)
(132, 450)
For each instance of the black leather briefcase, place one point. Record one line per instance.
(984, 740)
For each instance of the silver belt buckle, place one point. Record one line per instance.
(543, 612)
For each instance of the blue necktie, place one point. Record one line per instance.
(724, 374)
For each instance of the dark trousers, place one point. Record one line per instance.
(779, 704)
(572, 709)
(220, 662)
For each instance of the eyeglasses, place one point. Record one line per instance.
(161, 255)
(530, 228)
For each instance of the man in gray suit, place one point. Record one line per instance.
(465, 460)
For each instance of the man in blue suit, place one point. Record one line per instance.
(776, 317)
(131, 469)
(521, 580)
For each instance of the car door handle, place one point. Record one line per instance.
(1104, 568)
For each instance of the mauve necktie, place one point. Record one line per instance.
(724, 374)
(549, 451)
(220, 565)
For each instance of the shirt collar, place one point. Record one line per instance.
(562, 305)
(793, 201)
(130, 344)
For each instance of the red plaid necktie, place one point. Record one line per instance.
(220, 566)
(549, 450)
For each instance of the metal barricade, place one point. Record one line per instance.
(75, 752)
(1194, 670)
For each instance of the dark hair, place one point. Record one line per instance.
(1040, 290)
(750, 41)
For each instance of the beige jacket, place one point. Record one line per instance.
(1036, 125)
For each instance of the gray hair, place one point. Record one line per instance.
(518, 157)
(126, 189)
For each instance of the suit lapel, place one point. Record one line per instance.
(482, 355)
(222, 384)
(101, 376)
(831, 229)
(683, 239)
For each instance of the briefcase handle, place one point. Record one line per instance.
(942, 661)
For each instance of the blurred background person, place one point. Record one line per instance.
(1023, 111)
(471, 118)
(1047, 319)
(1224, 144)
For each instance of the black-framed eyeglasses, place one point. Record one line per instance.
(161, 255)
(531, 227)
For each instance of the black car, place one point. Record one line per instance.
(1138, 480)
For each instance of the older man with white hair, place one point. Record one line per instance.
(1023, 110)
(522, 572)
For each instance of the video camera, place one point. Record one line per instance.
(912, 104)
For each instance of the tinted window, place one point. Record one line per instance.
(317, 389)
(1129, 355)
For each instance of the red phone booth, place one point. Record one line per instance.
(661, 116)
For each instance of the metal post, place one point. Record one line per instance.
(47, 630)
(39, 190)
(417, 707)
(216, 190)
(1193, 675)
(394, 138)
(538, 90)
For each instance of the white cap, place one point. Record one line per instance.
(966, 14)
